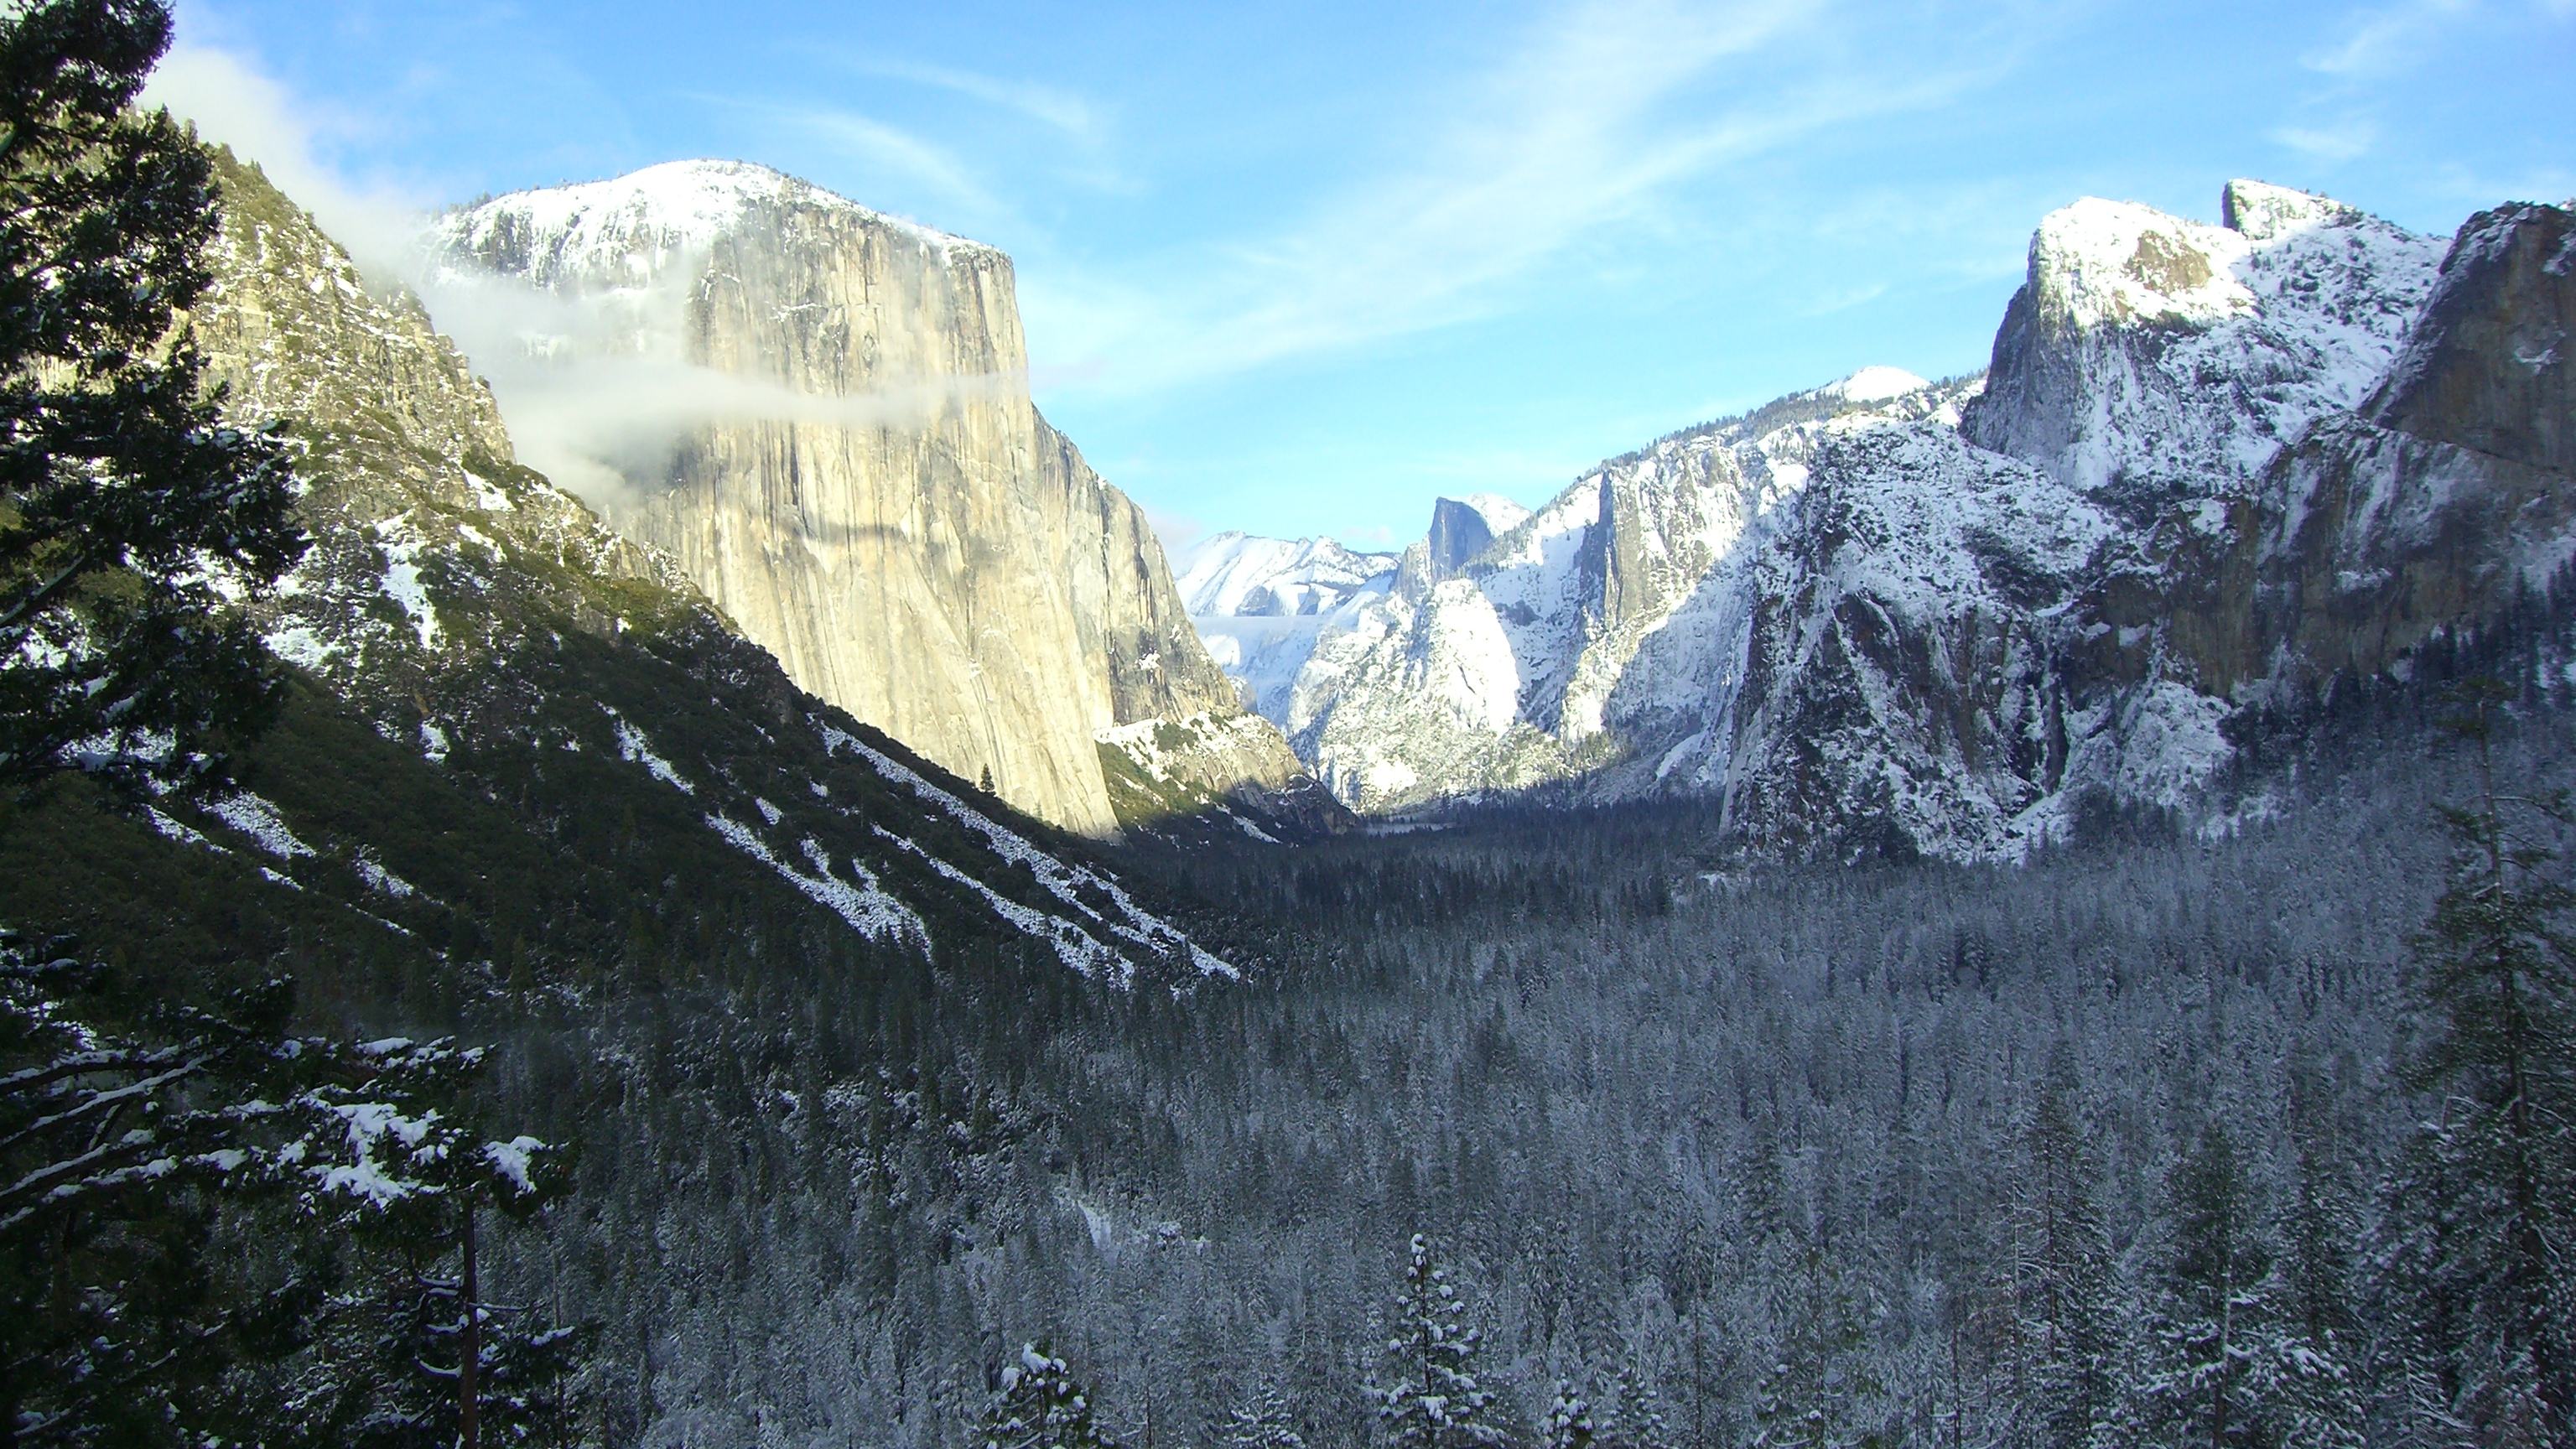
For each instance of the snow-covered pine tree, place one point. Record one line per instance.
(1819, 1393)
(182, 1182)
(1431, 1398)
(2478, 1212)
(2060, 1277)
(1569, 1419)
(1042, 1406)
(1635, 1419)
(2214, 1311)
(129, 1135)
(1268, 1422)
(411, 1349)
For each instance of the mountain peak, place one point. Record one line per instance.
(2100, 261)
(2260, 211)
(1874, 384)
(646, 216)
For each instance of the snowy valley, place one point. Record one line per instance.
(754, 905)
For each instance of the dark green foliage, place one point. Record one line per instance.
(2213, 1290)
(127, 508)
(121, 1136)
(385, 1353)
(1819, 1393)
(2063, 1330)
(188, 1193)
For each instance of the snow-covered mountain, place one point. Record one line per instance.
(1259, 603)
(1912, 616)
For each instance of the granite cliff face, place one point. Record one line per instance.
(2210, 468)
(856, 475)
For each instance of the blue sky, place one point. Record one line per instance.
(1301, 269)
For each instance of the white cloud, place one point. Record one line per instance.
(1063, 110)
(231, 102)
(595, 390)
(2348, 140)
(895, 152)
(599, 392)
(1586, 131)
(2384, 41)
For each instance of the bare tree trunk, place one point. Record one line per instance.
(468, 1396)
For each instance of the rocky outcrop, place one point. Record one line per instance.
(1127, 610)
(858, 478)
(1463, 528)
(2449, 493)
(2148, 353)
(2489, 366)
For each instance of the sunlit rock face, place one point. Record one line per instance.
(823, 414)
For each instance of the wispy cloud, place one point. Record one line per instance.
(2331, 145)
(599, 392)
(1064, 110)
(1586, 131)
(889, 149)
(596, 389)
(2386, 40)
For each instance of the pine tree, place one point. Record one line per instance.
(1042, 1406)
(1268, 1422)
(1434, 1400)
(189, 1192)
(2480, 1207)
(1635, 1416)
(411, 1349)
(2060, 1277)
(1569, 1419)
(2304, 1375)
(120, 1148)
(1819, 1392)
(2214, 1304)
(128, 510)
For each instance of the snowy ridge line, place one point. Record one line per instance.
(258, 819)
(629, 227)
(174, 829)
(636, 749)
(871, 910)
(1088, 958)
(373, 872)
(1062, 881)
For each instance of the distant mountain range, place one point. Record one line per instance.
(2210, 470)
